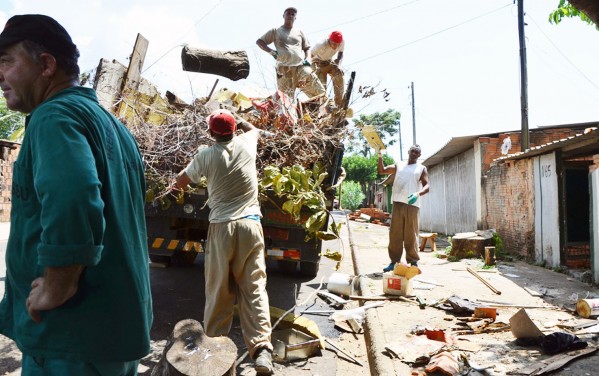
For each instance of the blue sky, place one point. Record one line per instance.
(462, 55)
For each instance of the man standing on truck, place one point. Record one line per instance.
(77, 298)
(292, 53)
(234, 260)
(322, 59)
(410, 182)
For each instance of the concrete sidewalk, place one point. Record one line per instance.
(4, 230)
(393, 322)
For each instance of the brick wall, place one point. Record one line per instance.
(8, 155)
(509, 193)
(490, 147)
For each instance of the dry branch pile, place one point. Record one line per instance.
(168, 147)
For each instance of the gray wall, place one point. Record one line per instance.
(450, 206)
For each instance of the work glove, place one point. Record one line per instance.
(274, 54)
(412, 198)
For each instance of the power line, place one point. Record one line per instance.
(563, 55)
(429, 36)
(363, 17)
(183, 36)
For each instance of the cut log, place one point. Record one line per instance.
(190, 352)
(468, 245)
(233, 65)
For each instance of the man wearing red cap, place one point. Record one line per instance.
(322, 60)
(235, 267)
(292, 53)
(78, 298)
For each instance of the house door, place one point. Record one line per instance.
(577, 219)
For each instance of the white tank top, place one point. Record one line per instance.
(406, 182)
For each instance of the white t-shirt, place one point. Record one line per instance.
(324, 52)
(407, 181)
(289, 43)
(230, 168)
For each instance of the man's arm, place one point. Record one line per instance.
(263, 46)
(52, 290)
(339, 57)
(382, 169)
(182, 181)
(424, 182)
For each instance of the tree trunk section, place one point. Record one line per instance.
(467, 245)
(190, 352)
(233, 65)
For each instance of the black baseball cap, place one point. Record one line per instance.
(40, 29)
(293, 9)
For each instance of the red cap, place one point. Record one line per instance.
(336, 37)
(221, 123)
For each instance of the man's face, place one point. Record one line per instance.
(414, 153)
(289, 16)
(19, 79)
(333, 44)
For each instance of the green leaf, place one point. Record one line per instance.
(316, 221)
(326, 235)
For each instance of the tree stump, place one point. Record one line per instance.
(233, 65)
(467, 245)
(190, 352)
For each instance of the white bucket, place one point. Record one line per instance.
(341, 284)
(587, 308)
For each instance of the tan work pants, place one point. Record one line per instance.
(235, 268)
(403, 232)
(301, 77)
(325, 68)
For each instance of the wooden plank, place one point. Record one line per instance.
(136, 63)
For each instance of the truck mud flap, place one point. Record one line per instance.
(172, 245)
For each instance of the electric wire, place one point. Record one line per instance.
(562, 54)
(182, 36)
(429, 35)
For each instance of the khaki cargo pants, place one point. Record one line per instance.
(234, 268)
(324, 68)
(301, 77)
(403, 232)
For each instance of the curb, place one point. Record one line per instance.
(374, 334)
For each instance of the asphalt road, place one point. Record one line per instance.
(178, 294)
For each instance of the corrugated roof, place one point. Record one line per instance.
(458, 145)
(591, 135)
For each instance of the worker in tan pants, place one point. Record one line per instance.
(234, 263)
(409, 183)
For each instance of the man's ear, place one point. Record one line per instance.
(48, 64)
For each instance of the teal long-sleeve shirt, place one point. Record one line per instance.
(78, 198)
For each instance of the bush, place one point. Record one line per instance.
(351, 195)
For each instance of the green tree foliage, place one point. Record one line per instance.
(386, 124)
(351, 195)
(567, 10)
(10, 121)
(363, 170)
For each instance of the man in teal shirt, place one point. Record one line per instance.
(77, 298)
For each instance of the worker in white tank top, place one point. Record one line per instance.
(409, 183)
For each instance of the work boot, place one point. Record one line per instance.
(264, 362)
(389, 267)
(414, 263)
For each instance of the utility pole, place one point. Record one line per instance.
(524, 137)
(400, 150)
(413, 117)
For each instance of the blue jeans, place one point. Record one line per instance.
(36, 366)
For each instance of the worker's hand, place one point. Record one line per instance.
(274, 54)
(413, 197)
(40, 299)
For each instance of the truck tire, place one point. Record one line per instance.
(287, 267)
(309, 269)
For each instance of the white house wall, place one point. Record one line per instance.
(547, 245)
(451, 205)
(595, 224)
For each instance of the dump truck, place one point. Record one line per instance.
(177, 224)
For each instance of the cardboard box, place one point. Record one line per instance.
(396, 285)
